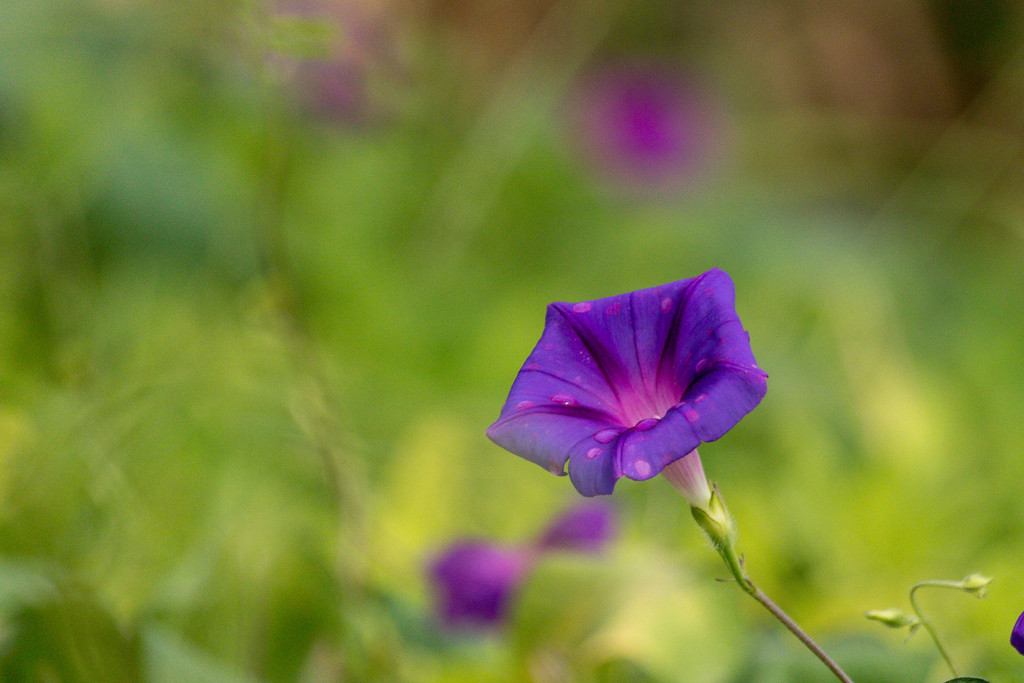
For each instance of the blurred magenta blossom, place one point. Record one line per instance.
(1017, 635)
(626, 385)
(340, 49)
(643, 127)
(584, 528)
(333, 89)
(474, 581)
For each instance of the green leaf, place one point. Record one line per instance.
(169, 657)
(23, 585)
(70, 637)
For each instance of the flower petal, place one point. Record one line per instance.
(720, 398)
(1017, 635)
(545, 436)
(584, 528)
(627, 336)
(474, 582)
(592, 467)
(709, 332)
(644, 454)
(566, 368)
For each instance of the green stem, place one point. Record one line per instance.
(732, 561)
(714, 518)
(927, 624)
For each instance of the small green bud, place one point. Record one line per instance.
(976, 584)
(893, 618)
(716, 521)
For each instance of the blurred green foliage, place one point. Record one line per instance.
(251, 335)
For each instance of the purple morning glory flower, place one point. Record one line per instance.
(346, 48)
(1017, 636)
(642, 124)
(584, 528)
(475, 580)
(626, 385)
(333, 89)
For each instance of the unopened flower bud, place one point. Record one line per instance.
(892, 618)
(976, 584)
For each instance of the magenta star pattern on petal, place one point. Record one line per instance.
(625, 385)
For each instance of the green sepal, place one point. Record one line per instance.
(716, 521)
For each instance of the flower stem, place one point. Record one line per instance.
(728, 554)
(927, 624)
(718, 525)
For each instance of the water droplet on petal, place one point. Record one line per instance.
(614, 309)
(691, 415)
(666, 305)
(565, 400)
(701, 364)
(642, 467)
(644, 425)
(593, 453)
(582, 307)
(523, 405)
(606, 435)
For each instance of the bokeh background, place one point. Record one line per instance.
(267, 270)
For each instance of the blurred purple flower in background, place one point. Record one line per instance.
(585, 528)
(330, 53)
(624, 386)
(1017, 635)
(643, 127)
(333, 89)
(475, 581)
